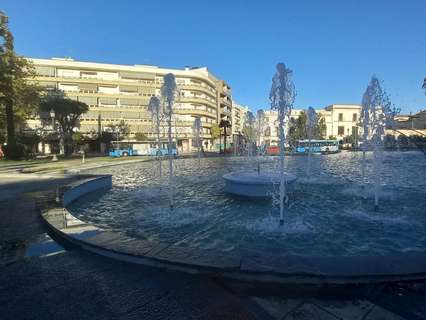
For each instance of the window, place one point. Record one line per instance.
(354, 117)
(340, 116)
(340, 130)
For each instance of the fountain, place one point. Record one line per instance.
(329, 236)
(197, 131)
(168, 94)
(260, 127)
(312, 122)
(257, 184)
(282, 98)
(377, 113)
(156, 114)
(250, 132)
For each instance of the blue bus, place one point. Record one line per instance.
(121, 152)
(163, 150)
(317, 146)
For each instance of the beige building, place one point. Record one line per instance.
(117, 93)
(341, 120)
(238, 117)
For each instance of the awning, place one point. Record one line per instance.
(45, 71)
(89, 100)
(88, 86)
(129, 88)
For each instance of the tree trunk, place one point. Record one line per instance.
(224, 140)
(11, 141)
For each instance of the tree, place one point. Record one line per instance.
(18, 95)
(121, 130)
(78, 139)
(215, 131)
(321, 130)
(249, 130)
(224, 124)
(140, 136)
(66, 113)
(298, 129)
(424, 85)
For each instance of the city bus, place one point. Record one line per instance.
(121, 149)
(154, 151)
(317, 146)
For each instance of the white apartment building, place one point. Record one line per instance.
(117, 93)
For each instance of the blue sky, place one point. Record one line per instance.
(333, 47)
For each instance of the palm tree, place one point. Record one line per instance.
(225, 124)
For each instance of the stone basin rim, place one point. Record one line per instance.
(248, 177)
(245, 265)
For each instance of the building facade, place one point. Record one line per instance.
(116, 93)
(341, 121)
(238, 118)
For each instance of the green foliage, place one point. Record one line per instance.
(224, 124)
(18, 94)
(106, 137)
(321, 129)
(67, 112)
(215, 131)
(140, 136)
(298, 129)
(120, 130)
(249, 133)
(78, 138)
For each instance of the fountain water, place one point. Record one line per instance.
(312, 122)
(156, 113)
(168, 94)
(197, 130)
(250, 134)
(377, 113)
(260, 127)
(251, 184)
(282, 98)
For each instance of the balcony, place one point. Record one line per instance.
(198, 100)
(201, 88)
(186, 111)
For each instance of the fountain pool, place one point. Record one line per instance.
(327, 215)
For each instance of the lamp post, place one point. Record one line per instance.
(52, 116)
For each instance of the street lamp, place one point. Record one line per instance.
(52, 116)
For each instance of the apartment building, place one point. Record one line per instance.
(117, 93)
(238, 118)
(341, 120)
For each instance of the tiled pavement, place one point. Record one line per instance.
(40, 280)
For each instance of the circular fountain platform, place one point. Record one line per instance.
(330, 234)
(253, 184)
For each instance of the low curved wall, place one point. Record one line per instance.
(253, 267)
(81, 188)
